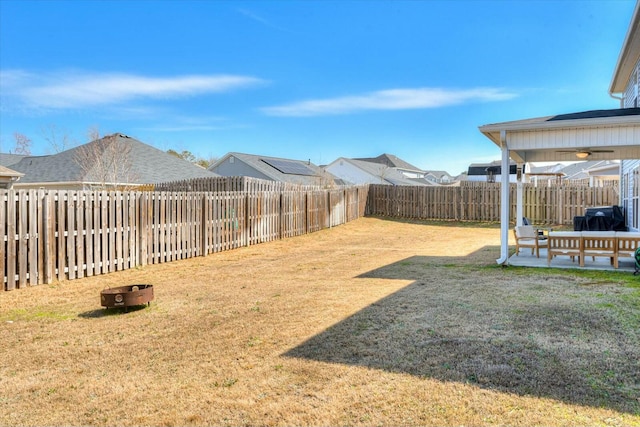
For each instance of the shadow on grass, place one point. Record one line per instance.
(102, 312)
(440, 223)
(474, 325)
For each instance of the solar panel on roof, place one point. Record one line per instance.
(289, 167)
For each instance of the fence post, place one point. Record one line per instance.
(11, 240)
(48, 237)
(329, 208)
(204, 234)
(247, 225)
(144, 224)
(560, 204)
(281, 222)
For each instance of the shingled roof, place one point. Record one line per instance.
(381, 173)
(391, 161)
(148, 164)
(277, 169)
(8, 159)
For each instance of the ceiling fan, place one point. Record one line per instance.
(583, 153)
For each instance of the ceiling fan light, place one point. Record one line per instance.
(582, 154)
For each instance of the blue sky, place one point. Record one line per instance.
(304, 80)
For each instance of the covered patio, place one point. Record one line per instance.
(526, 259)
(593, 135)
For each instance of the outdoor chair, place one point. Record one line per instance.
(527, 237)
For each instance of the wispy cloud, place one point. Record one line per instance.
(186, 128)
(181, 123)
(254, 16)
(392, 99)
(77, 89)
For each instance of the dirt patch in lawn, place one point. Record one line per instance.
(376, 322)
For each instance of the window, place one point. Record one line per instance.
(635, 223)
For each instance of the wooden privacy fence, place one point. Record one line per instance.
(231, 183)
(481, 202)
(57, 235)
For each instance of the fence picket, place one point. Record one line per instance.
(80, 235)
(3, 241)
(11, 241)
(481, 202)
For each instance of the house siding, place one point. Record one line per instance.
(630, 179)
(353, 174)
(631, 92)
(630, 193)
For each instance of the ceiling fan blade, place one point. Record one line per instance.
(584, 151)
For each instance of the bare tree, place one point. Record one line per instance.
(93, 133)
(106, 163)
(23, 144)
(59, 139)
(384, 172)
(205, 163)
(184, 154)
(192, 158)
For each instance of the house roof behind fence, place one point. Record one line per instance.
(148, 164)
(391, 161)
(8, 159)
(279, 169)
(386, 173)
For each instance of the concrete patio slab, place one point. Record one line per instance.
(526, 259)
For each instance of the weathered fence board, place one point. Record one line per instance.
(49, 235)
(293, 213)
(481, 202)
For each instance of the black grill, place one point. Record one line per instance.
(601, 218)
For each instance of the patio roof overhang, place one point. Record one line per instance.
(594, 135)
(603, 134)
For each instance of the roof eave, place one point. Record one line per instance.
(628, 55)
(492, 131)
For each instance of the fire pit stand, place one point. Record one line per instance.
(126, 296)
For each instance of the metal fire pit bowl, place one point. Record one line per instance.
(126, 296)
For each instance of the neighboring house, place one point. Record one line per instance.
(391, 161)
(545, 175)
(596, 172)
(490, 172)
(438, 177)
(625, 81)
(114, 161)
(8, 177)
(592, 171)
(273, 169)
(356, 171)
(605, 173)
(10, 159)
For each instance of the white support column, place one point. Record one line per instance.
(519, 209)
(504, 202)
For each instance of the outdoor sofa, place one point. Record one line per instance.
(583, 244)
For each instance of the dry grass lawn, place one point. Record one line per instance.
(376, 322)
